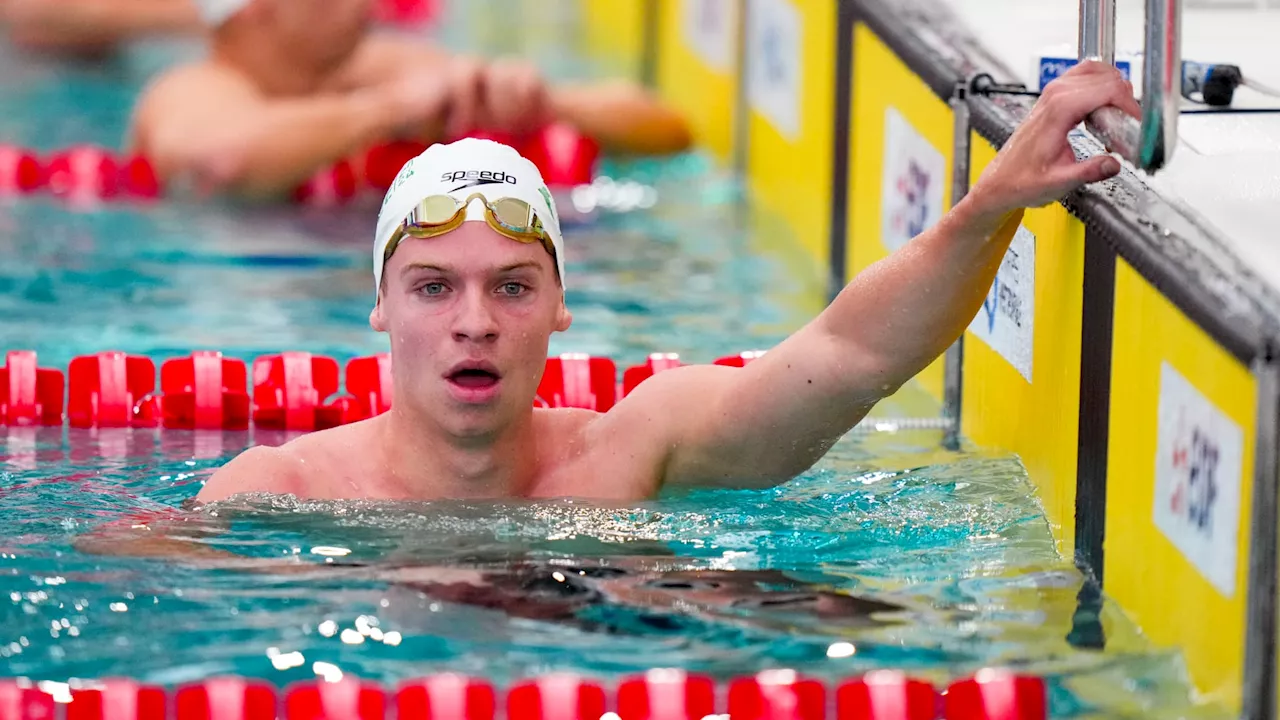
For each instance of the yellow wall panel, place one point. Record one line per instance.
(697, 67)
(1182, 422)
(613, 35)
(1030, 326)
(790, 87)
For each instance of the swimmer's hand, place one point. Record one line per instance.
(467, 95)
(1037, 165)
(418, 101)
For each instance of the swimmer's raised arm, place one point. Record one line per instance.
(781, 413)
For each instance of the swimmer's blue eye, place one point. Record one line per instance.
(433, 288)
(512, 289)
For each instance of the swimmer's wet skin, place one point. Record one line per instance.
(470, 313)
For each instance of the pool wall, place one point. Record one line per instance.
(1125, 354)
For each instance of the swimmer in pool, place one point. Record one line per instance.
(293, 86)
(469, 271)
(93, 27)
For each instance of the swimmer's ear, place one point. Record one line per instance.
(376, 319)
(564, 318)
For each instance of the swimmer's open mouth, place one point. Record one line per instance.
(474, 374)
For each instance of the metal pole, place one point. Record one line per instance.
(953, 363)
(1259, 694)
(1098, 30)
(1148, 143)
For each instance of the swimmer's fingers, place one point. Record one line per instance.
(1068, 101)
(466, 92)
(515, 98)
(1037, 165)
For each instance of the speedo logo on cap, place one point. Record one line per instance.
(472, 178)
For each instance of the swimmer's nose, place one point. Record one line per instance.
(475, 320)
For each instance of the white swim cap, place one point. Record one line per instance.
(459, 169)
(216, 12)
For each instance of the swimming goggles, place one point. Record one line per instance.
(436, 215)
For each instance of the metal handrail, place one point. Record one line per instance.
(1149, 144)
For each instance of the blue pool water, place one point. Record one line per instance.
(889, 553)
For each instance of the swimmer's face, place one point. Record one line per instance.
(321, 33)
(470, 315)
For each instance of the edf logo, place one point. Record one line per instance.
(1196, 463)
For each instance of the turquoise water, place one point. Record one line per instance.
(889, 553)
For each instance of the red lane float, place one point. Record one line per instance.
(666, 695)
(655, 363)
(577, 380)
(329, 187)
(369, 382)
(83, 171)
(555, 697)
(290, 389)
(659, 694)
(446, 697)
(886, 695)
(20, 171)
(383, 162)
(347, 698)
(564, 156)
(117, 699)
(777, 695)
(226, 698)
(79, 173)
(19, 700)
(407, 12)
(29, 395)
(996, 695)
(297, 391)
(741, 359)
(204, 392)
(112, 389)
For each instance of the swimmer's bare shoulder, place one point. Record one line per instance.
(325, 464)
(183, 103)
(261, 469)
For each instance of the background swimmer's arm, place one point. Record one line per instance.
(781, 413)
(93, 22)
(209, 128)
(622, 116)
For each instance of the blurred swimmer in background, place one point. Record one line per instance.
(293, 86)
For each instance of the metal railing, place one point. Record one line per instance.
(1147, 144)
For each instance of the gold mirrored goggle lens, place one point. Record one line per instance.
(438, 214)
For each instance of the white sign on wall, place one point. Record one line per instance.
(774, 72)
(709, 27)
(1199, 466)
(1006, 321)
(912, 184)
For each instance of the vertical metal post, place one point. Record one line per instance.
(1147, 144)
(741, 104)
(1098, 30)
(841, 150)
(953, 364)
(649, 53)
(1259, 695)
